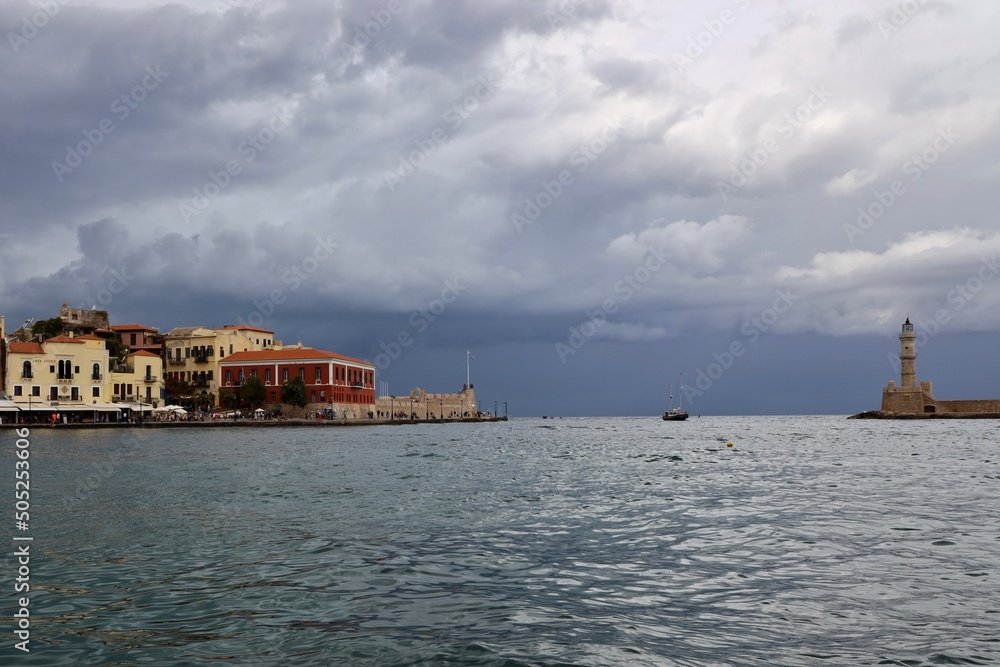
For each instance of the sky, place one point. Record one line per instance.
(591, 196)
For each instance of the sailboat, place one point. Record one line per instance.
(676, 414)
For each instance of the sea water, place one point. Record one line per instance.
(622, 541)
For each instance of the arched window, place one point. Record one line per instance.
(97, 372)
(26, 370)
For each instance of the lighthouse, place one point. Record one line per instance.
(907, 356)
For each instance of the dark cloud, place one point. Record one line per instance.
(328, 170)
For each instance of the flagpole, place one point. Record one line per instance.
(468, 369)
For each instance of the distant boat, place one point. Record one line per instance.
(676, 414)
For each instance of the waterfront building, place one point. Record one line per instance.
(64, 374)
(333, 381)
(192, 356)
(138, 380)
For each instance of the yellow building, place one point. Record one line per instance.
(65, 374)
(138, 380)
(193, 355)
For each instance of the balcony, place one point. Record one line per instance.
(68, 380)
(201, 358)
(27, 376)
(149, 379)
(96, 377)
(175, 362)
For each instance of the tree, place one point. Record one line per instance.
(176, 388)
(253, 392)
(293, 392)
(47, 328)
(116, 349)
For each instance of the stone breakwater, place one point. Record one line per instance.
(265, 423)
(879, 414)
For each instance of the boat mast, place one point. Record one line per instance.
(671, 397)
(680, 397)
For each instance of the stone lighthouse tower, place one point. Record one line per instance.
(907, 356)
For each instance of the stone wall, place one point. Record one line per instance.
(424, 404)
(971, 406)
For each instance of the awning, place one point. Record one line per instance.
(144, 407)
(7, 406)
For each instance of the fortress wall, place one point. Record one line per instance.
(972, 406)
(424, 404)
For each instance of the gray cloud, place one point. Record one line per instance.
(273, 128)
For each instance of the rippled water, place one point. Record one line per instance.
(812, 541)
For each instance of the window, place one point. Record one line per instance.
(230, 348)
(284, 375)
(273, 397)
(222, 352)
(267, 376)
(96, 392)
(187, 352)
(170, 353)
(132, 339)
(75, 394)
(302, 374)
(319, 374)
(149, 371)
(210, 373)
(17, 390)
(149, 393)
(229, 377)
(36, 390)
(96, 375)
(26, 370)
(314, 396)
(53, 394)
(76, 369)
(253, 373)
(242, 377)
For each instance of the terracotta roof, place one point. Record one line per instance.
(26, 348)
(246, 327)
(144, 353)
(63, 339)
(301, 353)
(89, 337)
(127, 327)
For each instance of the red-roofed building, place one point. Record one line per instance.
(138, 337)
(332, 380)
